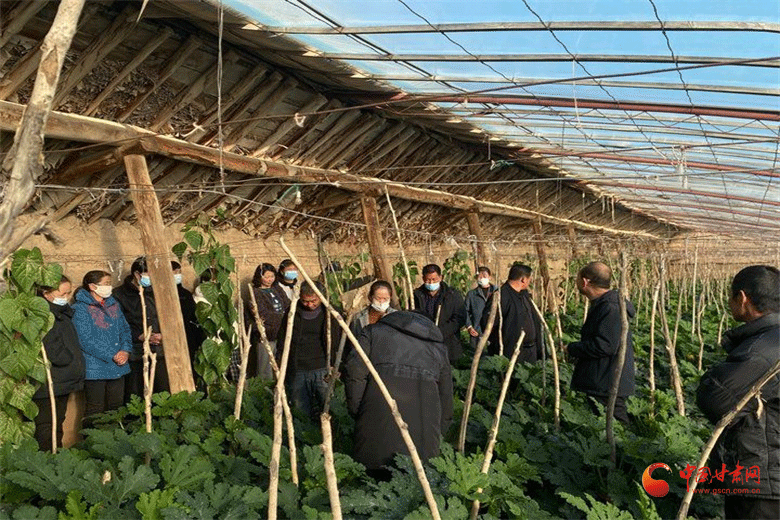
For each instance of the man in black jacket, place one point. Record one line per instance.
(129, 299)
(747, 454)
(444, 306)
(596, 352)
(308, 363)
(517, 314)
(407, 351)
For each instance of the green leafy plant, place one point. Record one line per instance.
(399, 278)
(218, 315)
(24, 321)
(458, 271)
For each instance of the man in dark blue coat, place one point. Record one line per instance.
(749, 449)
(596, 353)
(407, 351)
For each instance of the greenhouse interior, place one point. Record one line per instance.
(393, 259)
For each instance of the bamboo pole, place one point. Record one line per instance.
(23, 163)
(275, 368)
(621, 359)
(670, 346)
(682, 513)
(497, 419)
(276, 448)
(402, 426)
(556, 372)
(53, 406)
(409, 287)
(473, 375)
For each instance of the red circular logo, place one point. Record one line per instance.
(654, 487)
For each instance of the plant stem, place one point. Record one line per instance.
(556, 372)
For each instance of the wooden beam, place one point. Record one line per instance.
(383, 269)
(177, 355)
(314, 104)
(167, 70)
(73, 127)
(265, 106)
(18, 18)
(234, 131)
(142, 54)
(475, 228)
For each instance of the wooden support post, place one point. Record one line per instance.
(376, 244)
(177, 356)
(483, 253)
(544, 271)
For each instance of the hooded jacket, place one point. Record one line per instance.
(451, 318)
(752, 439)
(128, 297)
(64, 352)
(103, 331)
(596, 352)
(407, 351)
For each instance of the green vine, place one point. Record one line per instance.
(218, 314)
(24, 321)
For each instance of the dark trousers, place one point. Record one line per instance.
(102, 395)
(43, 423)
(621, 413)
(134, 381)
(740, 507)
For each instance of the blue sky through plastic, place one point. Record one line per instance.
(741, 152)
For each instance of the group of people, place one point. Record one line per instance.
(97, 343)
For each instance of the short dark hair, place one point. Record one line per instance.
(45, 288)
(308, 290)
(379, 284)
(518, 271)
(431, 268)
(139, 265)
(761, 284)
(285, 264)
(93, 277)
(483, 269)
(260, 271)
(598, 274)
(175, 265)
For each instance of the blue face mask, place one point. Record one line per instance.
(291, 275)
(146, 281)
(433, 287)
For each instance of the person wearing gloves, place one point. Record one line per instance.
(106, 342)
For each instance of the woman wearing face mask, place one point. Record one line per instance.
(475, 304)
(105, 341)
(272, 304)
(129, 299)
(378, 305)
(287, 277)
(67, 364)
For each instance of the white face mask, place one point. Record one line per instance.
(104, 291)
(380, 306)
(484, 282)
(177, 279)
(60, 301)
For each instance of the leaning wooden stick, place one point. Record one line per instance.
(651, 354)
(621, 355)
(402, 426)
(276, 447)
(682, 514)
(150, 365)
(409, 289)
(330, 467)
(556, 372)
(497, 418)
(50, 385)
(275, 368)
(473, 377)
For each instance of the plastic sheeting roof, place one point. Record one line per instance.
(640, 98)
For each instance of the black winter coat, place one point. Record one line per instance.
(130, 302)
(517, 314)
(192, 328)
(596, 352)
(451, 319)
(407, 351)
(752, 438)
(272, 320)
(64, 352)
(335, 338)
